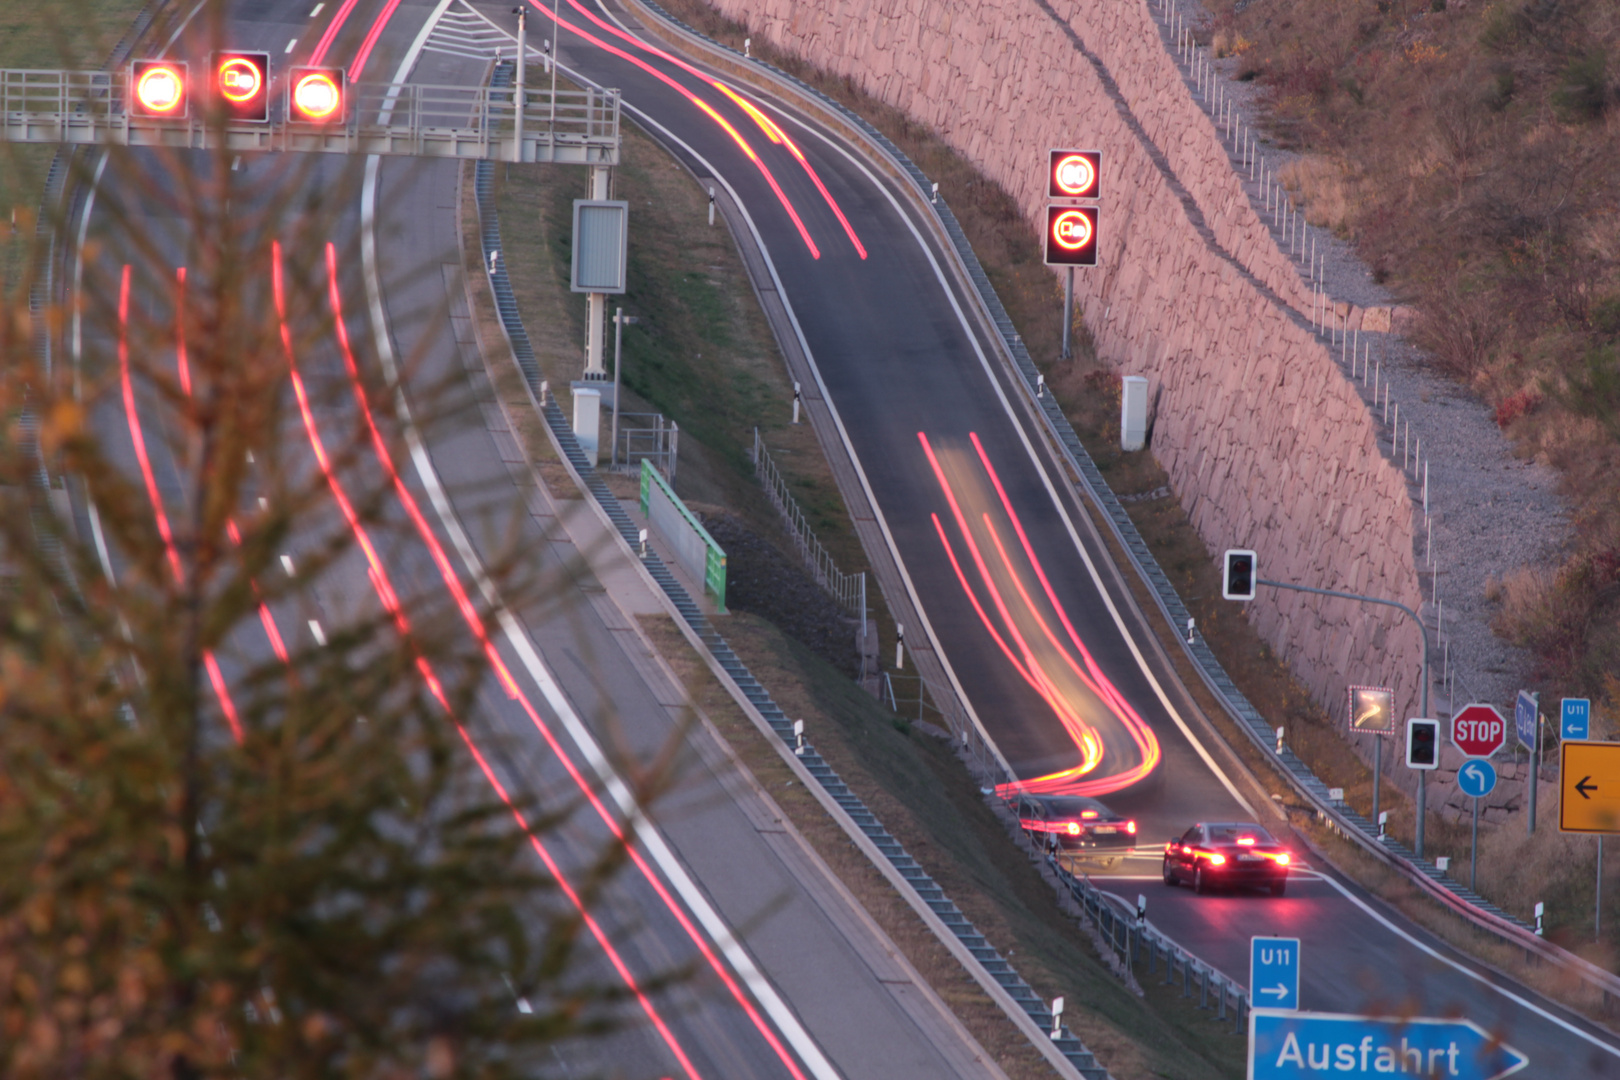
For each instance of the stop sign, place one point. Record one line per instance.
(1478, 730)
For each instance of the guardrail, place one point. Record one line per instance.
(1138, 943)
(402, 119)
(848, 589)
(1306, 784)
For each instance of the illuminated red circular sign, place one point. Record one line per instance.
(160, 89)
(1478, 730)
(1073, 174)
(1071, 229)
(239, 80)
(1071, 235)
(316, 96)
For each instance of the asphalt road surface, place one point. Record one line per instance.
(792, 978)
(1028, 629)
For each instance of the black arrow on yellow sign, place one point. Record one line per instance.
(1586, 787)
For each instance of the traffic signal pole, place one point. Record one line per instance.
(1423, 633)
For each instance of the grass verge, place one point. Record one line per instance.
(693, 298)
(1010, 251)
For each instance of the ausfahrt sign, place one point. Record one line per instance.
(1478, 730)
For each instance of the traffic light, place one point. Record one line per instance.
(157, 89)
(1423, 744)
(317, 96)
(1073, 174)
(242, 81)
(1238, 575)
(1071, 236)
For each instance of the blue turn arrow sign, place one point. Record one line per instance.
(1274, 972)
(1298, 1045)
(1477, 778)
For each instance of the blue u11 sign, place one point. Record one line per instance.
(1301, 1045)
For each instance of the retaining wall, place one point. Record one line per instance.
(1265, 441)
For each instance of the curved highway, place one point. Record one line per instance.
(998, 551)
(791, 977)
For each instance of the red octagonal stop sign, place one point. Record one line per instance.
(1478, 730)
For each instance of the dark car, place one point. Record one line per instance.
(1222, 855)
(1070, 823)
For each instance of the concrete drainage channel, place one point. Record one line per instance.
(926, 888)
(1337, 815)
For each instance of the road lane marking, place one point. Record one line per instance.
(317, 9)
(1046, 480)
(785, 1019)
(287, 565)
(291, 45)
(316, 632)
(1464, 968)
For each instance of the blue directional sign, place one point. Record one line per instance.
(1476, 778)
(1297, 1045)
(1274, 972)
(1575, 718)
(1524, 719)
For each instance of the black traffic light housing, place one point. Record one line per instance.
(158, 89)
(1423, 744)
(1071, 236)
(1238, 574)
(241, 85)
(1073, 174)
(317, 95)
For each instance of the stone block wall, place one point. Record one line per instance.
(1266, 442)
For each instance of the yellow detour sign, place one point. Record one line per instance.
(1589, 787)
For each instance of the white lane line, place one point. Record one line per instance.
(1428, 950)
(781, 1014)
(317, 9)
(317, 633)
(264, 503)
(291, 45)
(287, 565)
(1046, 480)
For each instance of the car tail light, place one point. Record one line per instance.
(1217, 859)
(1074, 828)
(1282, 860)
(1246, 841)
(1130, 827)
(1088, 814)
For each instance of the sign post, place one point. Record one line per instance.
(1589, 798)
(1476, 779)
(1295, 1045)
(1274, 972)
(1372, 711)
(1527, 726)
(1072, 174)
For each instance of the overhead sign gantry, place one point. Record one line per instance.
(156, 102)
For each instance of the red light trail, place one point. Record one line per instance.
(1023, 632)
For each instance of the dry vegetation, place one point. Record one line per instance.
(1469, 151)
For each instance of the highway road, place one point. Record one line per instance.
(792, 978)
(998, 551)
(997, 548)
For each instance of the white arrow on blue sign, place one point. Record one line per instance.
(1274, 972)
(1575, 718)
(1477, 778)
(1524, 719)
(1298, 1045)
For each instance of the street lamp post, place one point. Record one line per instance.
(1423, 693)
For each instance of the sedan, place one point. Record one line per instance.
(1210, 856)
(1071, 824)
